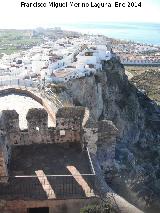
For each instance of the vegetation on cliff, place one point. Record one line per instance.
(109, 95)
(98, 208)
(149, 83)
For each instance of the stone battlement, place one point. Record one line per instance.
(68, 126)
(69, 129)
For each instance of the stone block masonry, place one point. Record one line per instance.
(68, 126)
(37, 120)
(102, 136)
(69, 129)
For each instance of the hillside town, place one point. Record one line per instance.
(73, 127)
(70, 56)
(132, 53)
(55, 61)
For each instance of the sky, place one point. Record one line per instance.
(13, 16)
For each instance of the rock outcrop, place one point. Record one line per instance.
(110, 96)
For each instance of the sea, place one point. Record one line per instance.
(146, 33)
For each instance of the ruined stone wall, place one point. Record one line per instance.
(3, 163)
(102, 136)
(37, 121)
(107, 133)
(5, 156)
(6, 131)
(68, 130)
(68, 126)
(10, 123)
(56, 206)
(91, 138)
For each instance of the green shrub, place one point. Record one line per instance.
(104, 208)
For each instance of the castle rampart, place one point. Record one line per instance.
(68, 130)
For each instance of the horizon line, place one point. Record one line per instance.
(78, 23)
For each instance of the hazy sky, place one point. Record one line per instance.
(13, 16)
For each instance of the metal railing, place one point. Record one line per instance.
(46, 187)
(91, 163)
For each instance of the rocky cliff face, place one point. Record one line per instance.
(109, 95)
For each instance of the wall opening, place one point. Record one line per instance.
(38, 210)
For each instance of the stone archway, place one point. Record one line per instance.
(37, 97)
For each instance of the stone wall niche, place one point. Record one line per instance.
(37, 121)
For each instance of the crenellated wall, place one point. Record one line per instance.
(68, 129)
(10, 124)
(68, 126)
(37, 121)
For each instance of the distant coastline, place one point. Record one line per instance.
(148, 33)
